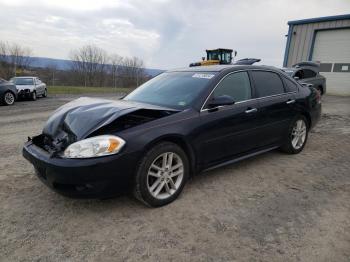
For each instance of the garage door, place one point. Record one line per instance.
(332, 49)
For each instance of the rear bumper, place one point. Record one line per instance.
(82, 178)
(316, 114)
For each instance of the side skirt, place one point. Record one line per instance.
(241, 158)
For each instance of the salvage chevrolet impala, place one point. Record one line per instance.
(174, 126)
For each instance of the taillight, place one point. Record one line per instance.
(318, 96)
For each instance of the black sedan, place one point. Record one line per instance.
(176, 125)
(308, 73)
(8, 92)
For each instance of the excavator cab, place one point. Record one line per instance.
(219, 56)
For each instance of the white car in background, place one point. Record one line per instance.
(29, 87)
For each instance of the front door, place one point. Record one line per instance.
(229, 130)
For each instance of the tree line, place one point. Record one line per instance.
(89, 66)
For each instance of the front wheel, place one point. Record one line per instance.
(45, 93)
(161, 175)
(297, 136)
(34, 96)
(9, 98)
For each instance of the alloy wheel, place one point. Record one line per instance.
(165, 175)
(298, 134)
(9, 98)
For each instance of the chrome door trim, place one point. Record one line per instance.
(243, 101)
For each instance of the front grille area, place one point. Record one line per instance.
(44, 142)
(56, 145)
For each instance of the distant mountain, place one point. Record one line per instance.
(62, 64)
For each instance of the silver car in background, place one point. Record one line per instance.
(29, 87)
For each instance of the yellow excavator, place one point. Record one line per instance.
(219, 56)
(223, 56)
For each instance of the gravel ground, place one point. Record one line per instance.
(273, 207)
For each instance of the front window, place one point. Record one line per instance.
(22, 81)
(236, 85)
(173, 89)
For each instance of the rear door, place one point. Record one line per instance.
(39, 86)
(229, 130)
(276, 106)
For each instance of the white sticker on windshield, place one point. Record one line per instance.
(206, 76)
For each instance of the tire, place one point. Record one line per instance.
(297, 136)
(45, 93)
(8, 99)
(33, 97)
(157, 185)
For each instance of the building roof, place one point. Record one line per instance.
(319, 19)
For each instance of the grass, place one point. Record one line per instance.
(86, 90)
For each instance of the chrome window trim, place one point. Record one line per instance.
(243, 101)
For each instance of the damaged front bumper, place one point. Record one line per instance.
(24, 93)
(82, 178)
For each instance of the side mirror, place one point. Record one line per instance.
(296, 78)
(223, 100)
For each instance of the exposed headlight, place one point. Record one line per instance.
(94, 147)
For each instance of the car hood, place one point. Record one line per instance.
(84, 116)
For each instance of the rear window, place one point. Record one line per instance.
(290, 85)
(267, 83)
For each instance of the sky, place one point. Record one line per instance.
(164, 33)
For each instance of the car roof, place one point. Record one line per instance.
(290, 69)
(219, 68)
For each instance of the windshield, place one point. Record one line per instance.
(174, 89)
(22, 81)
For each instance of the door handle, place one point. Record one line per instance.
(290, 102)
(251, 110)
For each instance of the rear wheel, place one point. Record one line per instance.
(45, 93)
(161, 175)
(34, 97)
(9, 98)
(297, 136)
